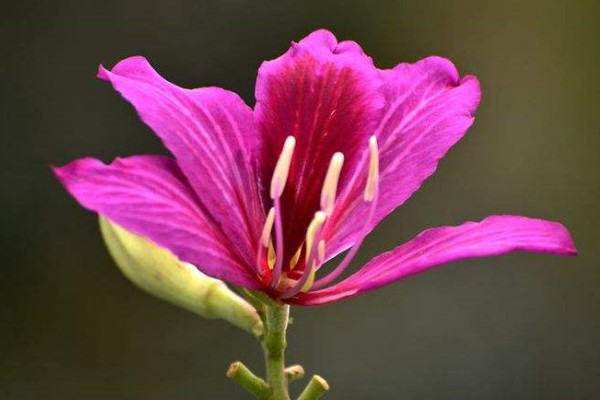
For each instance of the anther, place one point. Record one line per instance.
(313, 227)
(271, 257)
(266, 232)
(321, 251)
(295, 258)
(329, 190)
(282, 168)
(373, 178)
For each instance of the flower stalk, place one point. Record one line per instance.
(274, 343)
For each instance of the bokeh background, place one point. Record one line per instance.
(521, 326)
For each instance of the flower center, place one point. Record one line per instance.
(295, 279)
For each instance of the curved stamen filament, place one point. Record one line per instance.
(371, 195)
(329, 191)
(313, 234)
(350, 255)
(265, 240)
(278, 243)
(278, 182)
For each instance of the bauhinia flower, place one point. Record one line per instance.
(262, 198)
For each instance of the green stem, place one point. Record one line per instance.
(274, 343)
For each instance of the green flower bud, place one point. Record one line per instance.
(160, 273)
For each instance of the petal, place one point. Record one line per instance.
(328, 96)
(435, 247)
(428, 109)
(149, 196)
(212, 135)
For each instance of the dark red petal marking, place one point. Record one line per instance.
(327, 95)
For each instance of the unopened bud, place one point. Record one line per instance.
(160, 273)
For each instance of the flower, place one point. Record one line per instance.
(263, 197)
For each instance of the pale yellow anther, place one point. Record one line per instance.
(282, 168)
(329, 190)
(266, 232)
(313, 227)
(321, 251)
(311, 279)
(373, 178)
(271, 256)
(295, 258)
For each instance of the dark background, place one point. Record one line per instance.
(522, 326)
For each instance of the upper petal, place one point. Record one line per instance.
(428, 109)
(328, 96)
(435, 247)
(211, 133)
(149, 196)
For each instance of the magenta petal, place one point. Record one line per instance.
(428, 109)
(435, 247)
(328, 96)
(211, 133)
(149, 196)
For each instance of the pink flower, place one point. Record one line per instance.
(263, 198)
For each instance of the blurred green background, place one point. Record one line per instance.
(521, 326)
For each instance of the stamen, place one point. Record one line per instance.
(313, 234)
(373, 178)
(280, 176)
(321, 251)
(282, 168)
(371, 196)
(329, 190)
(266, 232)
(295, 258)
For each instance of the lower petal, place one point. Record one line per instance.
(493, 236)
(149, 196)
